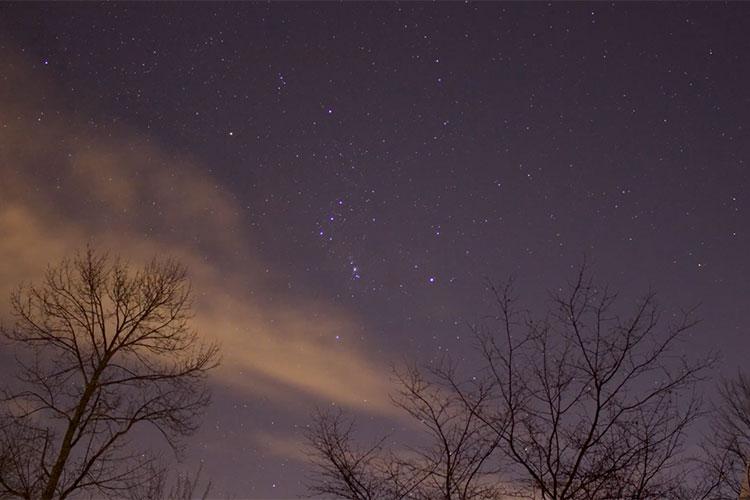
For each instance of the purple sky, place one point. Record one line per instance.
(341, 178)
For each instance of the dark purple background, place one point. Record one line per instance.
(429, 147)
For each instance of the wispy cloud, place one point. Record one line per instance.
(67, 179)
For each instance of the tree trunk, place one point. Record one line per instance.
(67, 443)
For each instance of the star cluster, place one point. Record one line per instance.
(387, 158)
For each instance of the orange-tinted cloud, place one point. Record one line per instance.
(66, 179)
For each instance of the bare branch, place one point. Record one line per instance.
(106, 351)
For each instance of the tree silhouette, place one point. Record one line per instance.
(103, 351)
(590, 401)
(727, 447)
(454, 463)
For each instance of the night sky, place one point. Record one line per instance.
(341, 179)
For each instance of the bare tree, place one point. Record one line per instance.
(727, 447)
(342, 469)
(184, 486)
(591, 402)
(454, 464)
(586, 403)
(103, 351)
